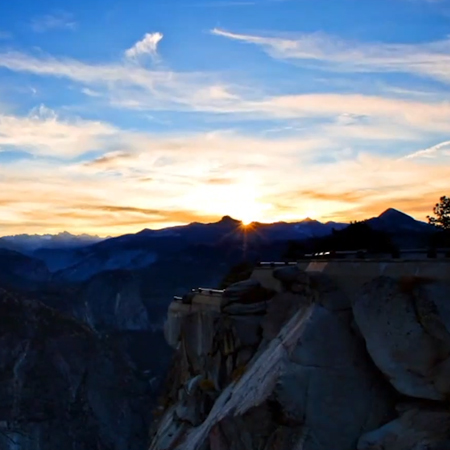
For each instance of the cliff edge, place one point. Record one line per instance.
(314, 356)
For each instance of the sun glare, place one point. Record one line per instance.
(246, 222)
(241, 201)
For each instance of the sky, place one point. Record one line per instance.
(121, 115)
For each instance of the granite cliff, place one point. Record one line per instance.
(315, 356)
(63, 386)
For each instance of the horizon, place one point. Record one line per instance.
(243, 225)
(118, 116)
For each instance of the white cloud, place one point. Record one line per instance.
(90, 92)
(430, 59)
(42, 132)
(135, 87)
(147, 46)
(60, 20)
(442, 148)
(128, 85)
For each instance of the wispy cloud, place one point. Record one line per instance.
(430, 59)
(43, 133)
(90, 92)
(129, 85)
(60, 20)
(147, 46)
(441, 149)
(136, 87)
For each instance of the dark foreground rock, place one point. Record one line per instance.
(306, 382)
(312, 368)
(63, 387)
(406, 325)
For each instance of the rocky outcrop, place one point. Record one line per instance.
(406, 326)
(61, 386)
(419, 427)
(272, 380)
(311, 367)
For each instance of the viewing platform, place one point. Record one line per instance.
(346, 272)
(350, 270)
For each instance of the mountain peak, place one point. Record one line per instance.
(393, 213)
(228, 219)
(310, 221)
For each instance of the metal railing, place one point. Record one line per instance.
(208, 291)
(429, 253)
(277, 263)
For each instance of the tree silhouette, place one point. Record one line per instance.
(442, 213)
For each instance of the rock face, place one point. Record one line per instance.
(311, 368)
(406, 325)
(294, 377)
(112, 301)
(62, 386)
(418, 427)
(17, 269)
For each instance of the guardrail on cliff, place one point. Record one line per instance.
(424, 253)
(203, 291)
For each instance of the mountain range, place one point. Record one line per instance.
(77, 258)
(31, 242)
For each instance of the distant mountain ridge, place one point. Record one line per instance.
(77, 258)
(388, 220)
(31, 242)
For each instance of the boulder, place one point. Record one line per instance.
(248, 291)
(418, 428)
(405, 325)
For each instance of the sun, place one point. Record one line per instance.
(246, 221)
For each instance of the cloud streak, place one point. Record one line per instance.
(441, 149)
(135, 87)
(321, 50)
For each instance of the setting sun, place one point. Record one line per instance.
(246, 222)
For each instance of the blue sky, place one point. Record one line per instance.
(120, 115)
